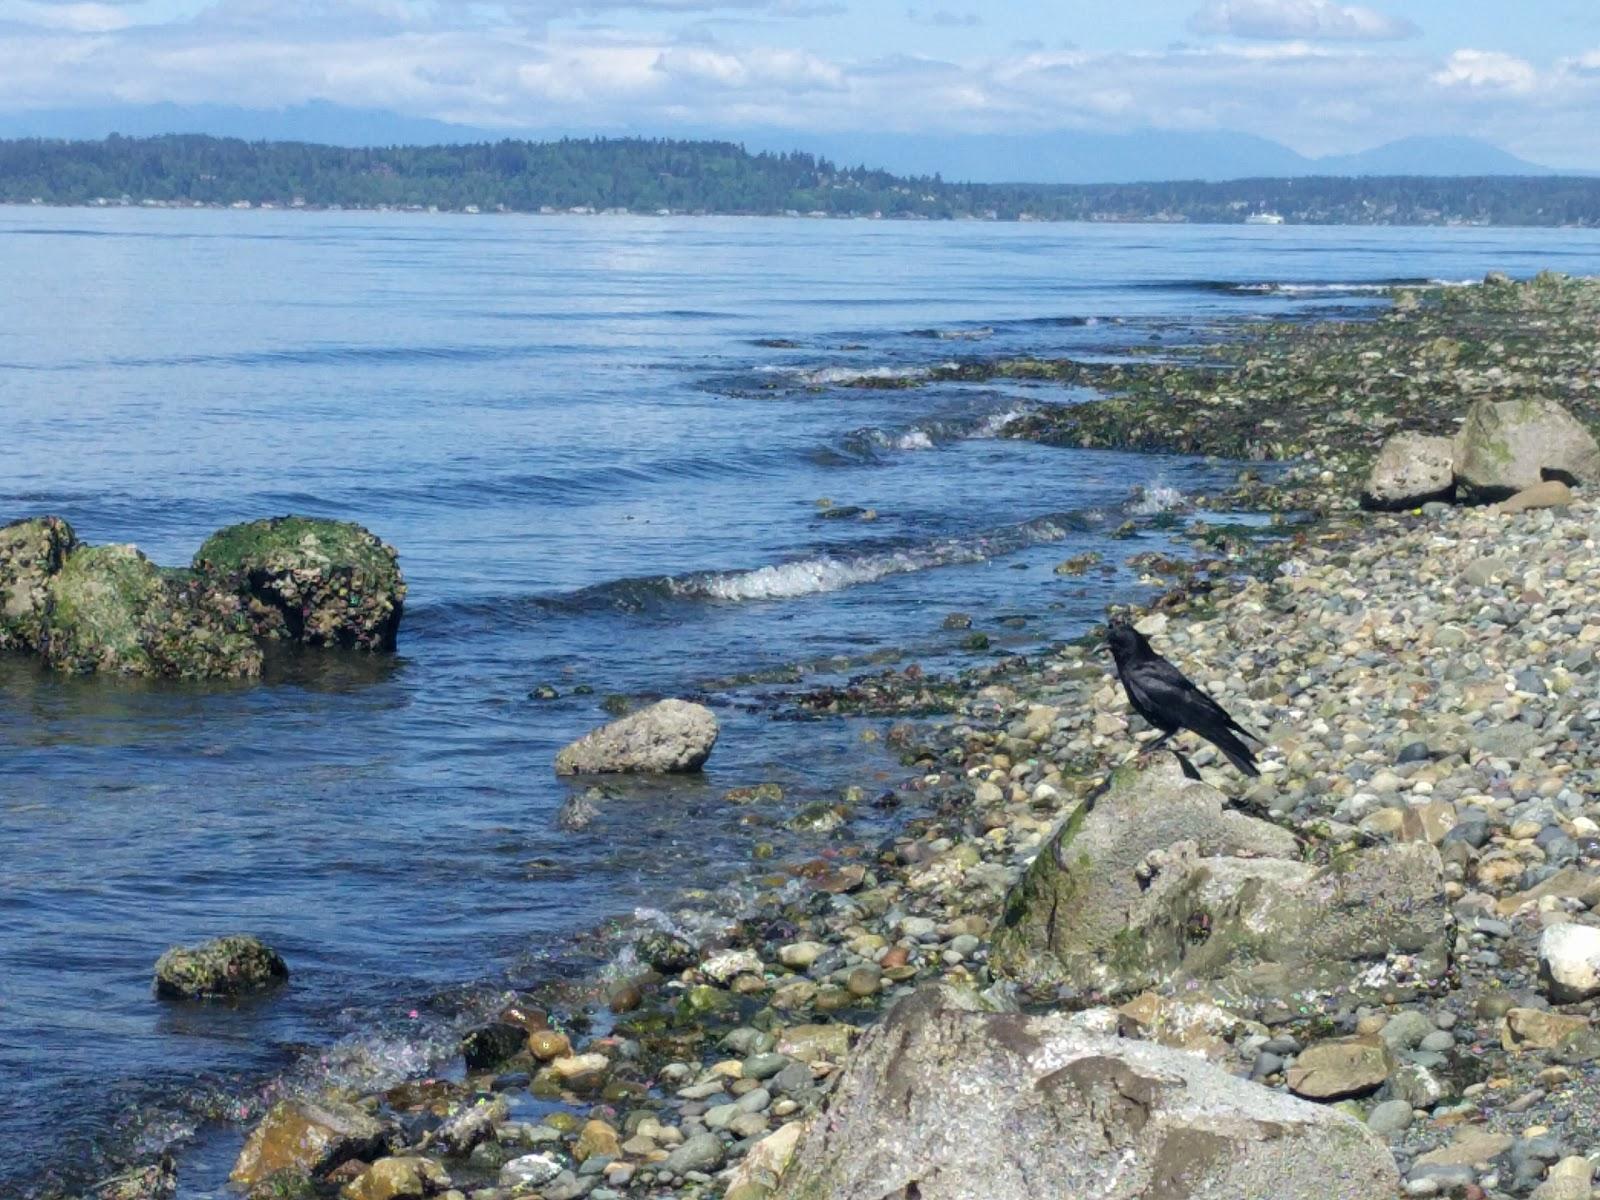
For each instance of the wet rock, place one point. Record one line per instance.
(223, 967)
(32, 552)
(817, 1043)
(530, 1170)
(151, 1181)
(410, 1177)
(672, 735)
(702, 1152)
(111, 610)
(309, 580)
(1340, 1068)
(1569, 962)
(666, 952)
(308, 1136)
(490, 1045)
(767, 1160)
(1508, 445)
(1148, 889)
(580, 810)
(473, 1124)
(1099, 1118)
(1411, 469)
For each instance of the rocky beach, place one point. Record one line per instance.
(1374, 971)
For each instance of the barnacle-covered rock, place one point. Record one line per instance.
(111, 609)
(31, 553)
(224, 966)
(310, 580)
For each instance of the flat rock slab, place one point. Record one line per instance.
(1341, 1067)
(669, 736)
(944, 1101)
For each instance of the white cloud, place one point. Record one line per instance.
(1317, 19)
(1319, 96)
(85, 17)
(1488, 70)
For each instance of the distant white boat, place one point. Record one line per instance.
(1263, 218)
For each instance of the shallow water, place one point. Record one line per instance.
(601, 472)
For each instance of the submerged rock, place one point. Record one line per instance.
(31, 554)
(1149, 889)
(151, 1181)
(112, 610)
(308, 1137)
(225, 966)
(946, 1102)
(304, 579)
(1411, 469)
(672, 735)
(1508, 445)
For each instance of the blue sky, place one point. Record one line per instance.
(1319, 75)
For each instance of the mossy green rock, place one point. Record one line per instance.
(304, 579)
(1159, 886)
(225, 966)
(31, 553)
(111, 609)
(1508, 445)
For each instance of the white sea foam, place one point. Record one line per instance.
(1158, 498)
(846, 376)
(832, 573)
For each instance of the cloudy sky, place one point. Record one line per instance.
(1320, 75)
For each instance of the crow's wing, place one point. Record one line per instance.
(1155, 686)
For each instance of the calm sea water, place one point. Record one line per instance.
(599, 445)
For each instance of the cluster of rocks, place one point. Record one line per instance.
(1524, 453)
(109, 609)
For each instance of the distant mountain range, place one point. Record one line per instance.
(1061, 157)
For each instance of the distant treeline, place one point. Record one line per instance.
(640, 175)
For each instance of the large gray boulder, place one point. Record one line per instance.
(943, 1102)
(1159, 887)
(1411, 469)
(1505, 446)
(672, 735)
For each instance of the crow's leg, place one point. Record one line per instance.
(1146, 751)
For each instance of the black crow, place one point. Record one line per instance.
(1161, 694)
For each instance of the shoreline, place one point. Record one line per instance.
(787, 215)
(737, 1038)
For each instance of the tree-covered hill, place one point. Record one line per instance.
(640, 175)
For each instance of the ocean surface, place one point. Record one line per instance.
(602, 447)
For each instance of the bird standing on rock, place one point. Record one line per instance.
(1163, 696)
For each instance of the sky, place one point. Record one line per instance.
(1320, 76)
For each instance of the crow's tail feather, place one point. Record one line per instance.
(1238, 753)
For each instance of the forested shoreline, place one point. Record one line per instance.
(668, 177)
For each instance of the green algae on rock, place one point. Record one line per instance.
(32, 551)
(111, 609)
(310, 580)
(224, 966)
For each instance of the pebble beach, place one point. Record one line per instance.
(1423, 678)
